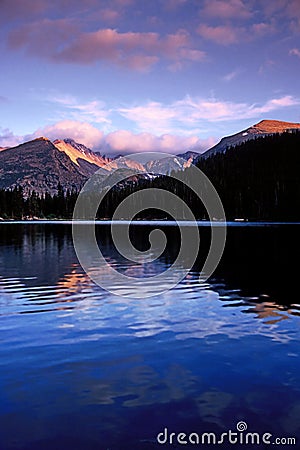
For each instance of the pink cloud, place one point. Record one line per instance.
(294, 7)
(14, 9)
(61, 41)
(173, 4)
(142, 63)
(226, 9)
(276, 103)
(192, 55)
(123, 141)
(230, 34)
(109, 15)
(8, 138)
(124, 2)
(274, 6)
(151, 116)
(222, 34)
(295, 52)
(30, 9)
(42, 37)
(287, 8)
(282, 10)
(107, 44)
(154, 21)
(120, 141)
(261, 29)
(112, 45)
(189, 113)
(93, 111)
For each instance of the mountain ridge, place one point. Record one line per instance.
(38, 165)
(265, 127)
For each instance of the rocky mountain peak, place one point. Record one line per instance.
(274, 126)
(262, 128)
(41, 138)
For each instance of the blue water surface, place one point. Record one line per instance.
(81, 368)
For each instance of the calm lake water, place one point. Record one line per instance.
(83, 369)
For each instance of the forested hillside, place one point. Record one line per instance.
(259, 179)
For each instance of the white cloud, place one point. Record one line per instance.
(188, 116)
(124, 141)
(81, 132)
(116, 142)
(188, 113)
(173, 127)
(93, 111)
(151, 116)
(231, 75)
(274, 104)
(8, 138)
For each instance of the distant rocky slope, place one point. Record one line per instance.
(38, 165)
(263, 128)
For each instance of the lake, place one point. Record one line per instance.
(84, 369)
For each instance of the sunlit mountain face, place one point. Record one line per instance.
(79, 153)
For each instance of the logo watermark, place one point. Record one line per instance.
(239, 436)
(102, 272)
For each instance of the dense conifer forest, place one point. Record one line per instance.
(259, 179)
(256, 180)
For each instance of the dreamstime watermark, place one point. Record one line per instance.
(240, 436)
(103, 272)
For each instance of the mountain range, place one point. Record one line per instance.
(42, 165)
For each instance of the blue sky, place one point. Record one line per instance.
(129, 75)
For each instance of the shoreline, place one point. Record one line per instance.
(204, 223)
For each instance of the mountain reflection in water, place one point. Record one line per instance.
(84, 368)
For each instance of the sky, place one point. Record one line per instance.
(122, 76)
